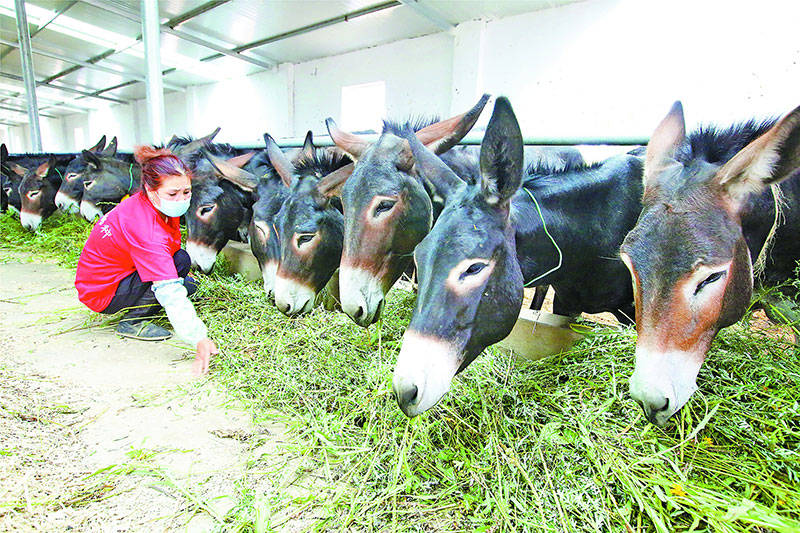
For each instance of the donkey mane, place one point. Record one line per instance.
(322, 161)
(717, 145)
(543, 168)
(412, 123)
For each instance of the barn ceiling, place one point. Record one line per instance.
(88, 53)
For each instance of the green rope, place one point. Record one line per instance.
(59, 174)
(544, 226)
(130, 173)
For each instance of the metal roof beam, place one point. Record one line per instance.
(91, 66)
(57, 14)
(43, 26)
(23, 111)
(430, 14)
(70, 70)
(65, 89)
(130, 15)
(312, 27)
(196, 12)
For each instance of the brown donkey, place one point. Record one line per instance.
(690, 254)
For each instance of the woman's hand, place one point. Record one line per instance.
(205, 349)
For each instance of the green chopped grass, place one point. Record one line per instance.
(60, 237)
(551, 445)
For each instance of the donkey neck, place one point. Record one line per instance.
(587, 213)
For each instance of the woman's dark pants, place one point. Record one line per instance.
(137, 295)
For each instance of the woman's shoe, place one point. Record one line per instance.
(142, 330)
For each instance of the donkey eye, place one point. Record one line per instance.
(206, 209)
(88, 184)
(710, 279)
(31, 194)
(8, 191)
(304, 238)
(71, 176)
(473, 269)
(384, 206)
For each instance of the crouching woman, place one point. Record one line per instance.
(133, 258)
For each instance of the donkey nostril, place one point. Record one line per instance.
(665, 406)
(408, 396)
(360, 312)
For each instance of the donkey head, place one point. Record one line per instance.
(219, 208)
(37, 192)
(106, 181)
(470, 283)
(309, 225)
(69, 195)
(387, 209)
(690, 264)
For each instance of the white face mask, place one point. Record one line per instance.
(172, 208)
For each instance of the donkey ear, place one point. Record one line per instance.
(110, 150)
(308, 146)
(17, 169)
(197, 144)
(501, 155)
(353, 145)
(3, 157)
(92, 159)
(432, 169)
(668, 136)
(280, 162)
(442, 136)
(53, 177)
(44, 168)
(210, 137)
(240, 160)
(769, 159)
(229, 170)
(99, 146)
(331, 185)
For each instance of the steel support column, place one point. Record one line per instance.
(24, 38)
(151, 37)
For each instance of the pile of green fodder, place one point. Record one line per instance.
(553, 445)
(60, 237)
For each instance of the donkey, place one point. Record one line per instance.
(68, 198)
(269, 195)
(14, 168)
(106, 182)
(37, 192)
(705, 216)
(389, 207)
(493, 237)
(220, 208)
(308, 226)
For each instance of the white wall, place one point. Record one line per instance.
(614, 67)
(244, 108)
(417, 73)
(600, 67)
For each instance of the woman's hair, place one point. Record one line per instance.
(157, 164)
